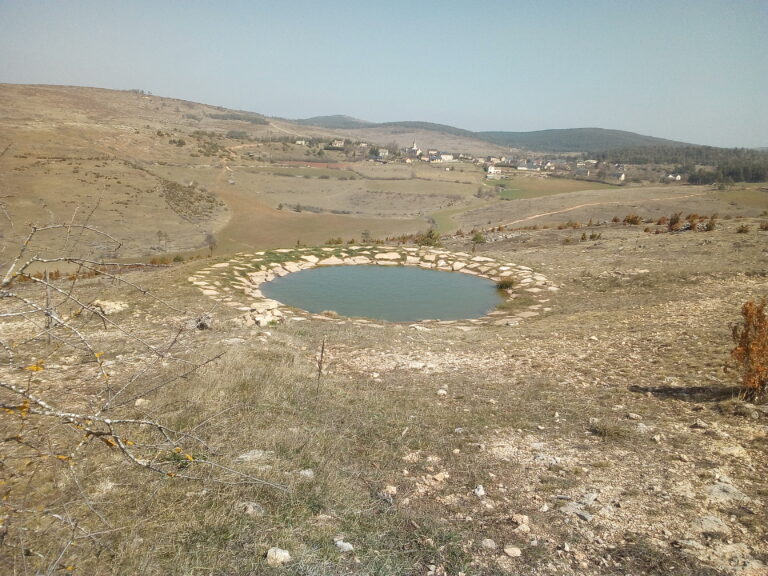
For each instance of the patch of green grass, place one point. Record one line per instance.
(520, 302)
(522, 188)
(611, 432)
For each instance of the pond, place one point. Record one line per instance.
(392, 293)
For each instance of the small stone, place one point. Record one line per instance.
(140, 402)
(344, 547)
(278, 556)
(584, 515)
(255, 455)
(106, 307)
(633, 416)
(479, 491)
(520, 519)
(307, 474)
(488, 544)
(513, 551)
(589, 498)
(250, 508)
(710, 524)
(390, 490)
(442, 392)
(700, 424)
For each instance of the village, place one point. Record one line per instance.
(498, 167)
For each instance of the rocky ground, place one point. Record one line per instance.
(600, 437)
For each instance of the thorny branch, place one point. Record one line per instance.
(42, 317)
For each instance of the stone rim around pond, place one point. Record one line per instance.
(236, 282)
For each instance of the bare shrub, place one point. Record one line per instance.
(74, 370)
(751, 351)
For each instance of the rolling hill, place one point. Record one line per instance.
(586, 140)
(576, 140)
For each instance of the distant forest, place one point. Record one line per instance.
(702, 164)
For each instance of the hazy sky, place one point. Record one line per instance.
(693, 70)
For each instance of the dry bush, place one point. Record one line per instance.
(633, 219)
(751, 351)
(674, 221)
(74, 369)
(743, 229)
(764, 226)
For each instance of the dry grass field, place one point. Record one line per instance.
(162, 176)
(601, 436)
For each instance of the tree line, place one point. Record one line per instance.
(702, 164)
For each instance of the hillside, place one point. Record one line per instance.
(168, 175)
(584, 140)
(335, 122)
(576, 140)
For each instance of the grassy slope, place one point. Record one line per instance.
(76, 149)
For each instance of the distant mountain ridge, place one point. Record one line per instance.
(585, 140)
(334, 122)
(577, 140)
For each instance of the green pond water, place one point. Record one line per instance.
(396, 293)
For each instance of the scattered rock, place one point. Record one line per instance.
(278, 556)
(344, 547)
(576, 509)
(331, 261)
(390, 490)
(250, 508)
(699, 424)
(307, 474)
(488, 544)
(513, 551)
(479, 491)
(711, 525)
(520, 519)
(255, 456)
(442, 392)
(734, 451)
(725, 492)
(589, 498)
(106, 307)
(388, 256)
